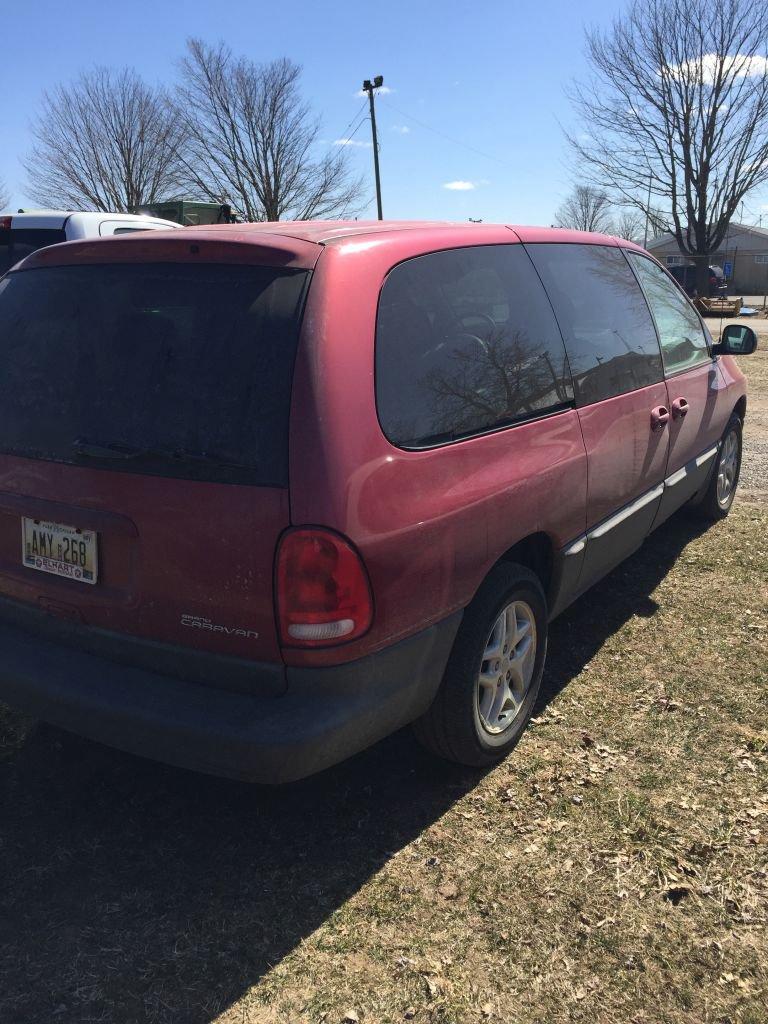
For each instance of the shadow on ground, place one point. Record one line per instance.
(137, 892)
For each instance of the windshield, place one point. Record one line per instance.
(168, 369)
(16, 243)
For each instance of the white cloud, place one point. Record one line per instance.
(353, 142)
(465, 186)
(383, 90)
(705, 68)
(401, 129)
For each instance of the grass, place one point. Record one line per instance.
(614, 870)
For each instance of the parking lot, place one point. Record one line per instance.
(755, 467)
(612, 869)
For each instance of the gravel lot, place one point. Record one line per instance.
(754, 469)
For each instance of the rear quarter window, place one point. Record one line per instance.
(606, 324)
(466, 342)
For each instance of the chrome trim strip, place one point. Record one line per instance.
(707, 455)
(676, 477)
(575, 548)
(630, 510)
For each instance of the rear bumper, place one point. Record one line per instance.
(325, 715)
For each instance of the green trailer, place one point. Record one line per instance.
(188, 212)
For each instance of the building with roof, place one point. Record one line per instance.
(743, 257)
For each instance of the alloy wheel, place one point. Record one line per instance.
(507, 666)
(727, 469)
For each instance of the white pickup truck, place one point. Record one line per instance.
(23, 233)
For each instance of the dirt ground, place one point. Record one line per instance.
(754, 479)
(614, 870)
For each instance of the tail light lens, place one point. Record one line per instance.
(323, 593)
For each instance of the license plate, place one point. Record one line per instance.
(60, 550)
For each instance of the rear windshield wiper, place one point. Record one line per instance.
(120, 451)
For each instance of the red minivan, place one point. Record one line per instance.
(269, 492)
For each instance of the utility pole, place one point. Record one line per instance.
(369, 86)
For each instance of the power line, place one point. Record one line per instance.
(360, 111)
(752, 214)
(348, 138)
(450, 138)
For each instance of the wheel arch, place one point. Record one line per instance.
(740, 409)
(537, 553)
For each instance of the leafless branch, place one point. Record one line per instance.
(585, 209)
(629, 224)
(253, 142)
(106, 142)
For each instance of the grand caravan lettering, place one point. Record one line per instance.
(199, 622)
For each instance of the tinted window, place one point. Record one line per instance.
(608, 331)
(17, 243)
(192, 364)
(683, 342)
(466, 342)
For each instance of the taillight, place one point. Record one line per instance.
(5, 223)
(323, 593)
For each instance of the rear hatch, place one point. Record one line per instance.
(144, 404)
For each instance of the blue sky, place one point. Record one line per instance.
(489, 74)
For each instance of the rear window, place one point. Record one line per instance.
(167, 369)
(16, 243)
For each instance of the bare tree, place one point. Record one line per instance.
(678, 102)
(4, 197)
(251, 140)
(108, 141)
(585, 209)
(658, 222)
(629, 224)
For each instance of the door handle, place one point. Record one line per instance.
(659, 417)
(680, 407)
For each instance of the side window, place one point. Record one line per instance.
(608, 331)
(116, 227)
(466, 342)
(683, 341)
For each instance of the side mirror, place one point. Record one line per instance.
(736, 341)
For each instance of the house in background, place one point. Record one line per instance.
(743, 257)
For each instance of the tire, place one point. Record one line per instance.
(716, 504)
(477, 725)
